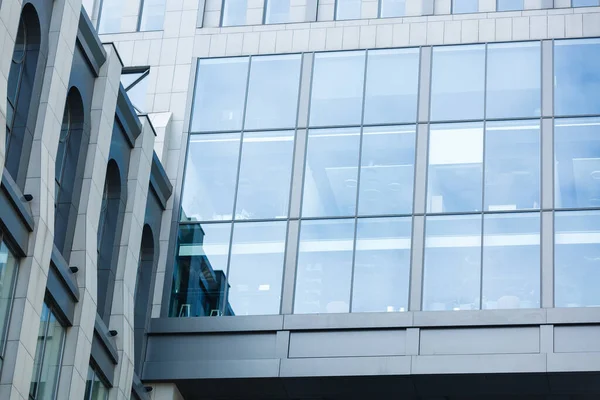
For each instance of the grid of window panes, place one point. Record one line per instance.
(355, 180)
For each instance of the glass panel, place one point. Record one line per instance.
(273, 92)
(387, 170)
(127, 78)
(153, 15)
(455, 168)
(137, 92)
(393, 8)
(219, 94)
(577, 163)
(511, 261)
(37, 386)
(382, 265)
(585, 3)
(509, 5)
(330, 177)
(277, 12)
(337, 88)
(210, 177)
(452, 267)
(457, 82)
(347, 9)
(465, 6)
(234, 12)
(89, 382)
(110, 16)
(392, 86)
(512, 165)
(265, 175)
(513, 80)
(577, 259)
(199, 278)
(256, 268)
(324, 267)
(8, 273)
(52, 360)
(576, 77)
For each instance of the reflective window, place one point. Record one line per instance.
(48, 356)
(512, 165)
(265, 175)
(511, 261)
(457, 83)
(387, 170)
(95, 388)
(219, 94)
(347, 9)
(576, 258)
(111, 13)
(585, 3)
(277, 11)
(337, 88)
(153, 15)
(330, 177)
(509, 5)
(136, 86)
(234, 12)
(199, 280)
(382, 265)
(392, 86)
(210, 177)
(324, 273)
(392, 8)
(513, 80)
(576, 77)
(256, 268)
(8, 275)
(577, 163)
(454, 181)
(273, 92)
(452, 265)
(465, 6)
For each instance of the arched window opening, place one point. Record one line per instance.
(143, 291)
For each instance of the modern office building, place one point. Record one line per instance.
(300, 199)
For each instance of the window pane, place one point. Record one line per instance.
(337, 88)
(100, 391)
(457, 82)
(8, 271)
(35, 385)
(89, 383)
(509, 5)
(52, 359)
(577, 245)
(219, 94)
(110, 16)
(153, 15)
(465, 6)
(330, 177)
(199, 278)
(513, 80)
(511, 261)
(273, 92)
(277, 12)
(455, 168)
(234, 12)
(392, 86)
(324, 267)
(256, 268)
(265, 175)
(393, 8)
(347, 9)
(585, 3)
(577, 163)
(387, 170)
(577, 77)
(382, 265)
(512, 165)
(210, 177)
(137, 92)
(451, 277)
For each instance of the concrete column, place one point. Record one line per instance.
(165, 391)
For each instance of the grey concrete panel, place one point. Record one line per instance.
(16, 197)
(12, 224)
(64, 273)
(190, 348)
(159, 181)
(101, 332)
(547, 79)
(298, 173)
(127, 117)
(347, 321)
(90, 42)
(180, 370)
(289, 273)
(480, 317)
(547, 163)
(576, 339)
(416, 265)
(424, 84)
(64, 302)
(573, 362)
(346, 366)
(491, 363)
(282, 344)
(348, 343)
(573, 315)
(240, 323)
(515, 340)
(547, 259)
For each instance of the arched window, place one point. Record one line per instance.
(143, 294)
(17, 66)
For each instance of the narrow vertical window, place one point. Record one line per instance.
(234, 12)
(277, 11)
(109, 19)
(8, 275)
(152, 15)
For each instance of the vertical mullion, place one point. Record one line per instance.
(483, 165)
